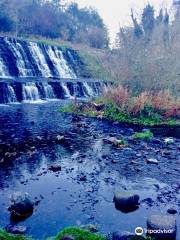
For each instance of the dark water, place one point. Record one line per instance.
(66, 200)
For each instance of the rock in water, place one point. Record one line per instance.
(152, 161)
(162, 227)
(21, 206)
(55, 168)
(172, 211)
(126, 201)
(16, 229)
(122, 236)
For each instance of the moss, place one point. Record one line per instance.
(6, 236)
(146, 134)
(79, 234)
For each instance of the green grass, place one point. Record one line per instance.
(113, 113)
(6, 236)
(145, 135)
(79, 234)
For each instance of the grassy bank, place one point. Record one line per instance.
(119, 104)
(73, 232)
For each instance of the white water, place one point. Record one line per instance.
(19, 59)
(60, 64)
(30, 92)
(2, 69)
(49, 93)
(88, 89)
(66, 90)
(39, 59)
(11, 95)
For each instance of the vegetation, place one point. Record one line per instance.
(119, 104)
(79, 234)
(53, 19)
(146, 135)
(6, 236)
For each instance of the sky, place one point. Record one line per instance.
(116, 13)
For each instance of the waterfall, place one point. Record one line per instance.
(48, 90)
(11, 96)
(19, 59)
(59, 63)
(39, 59)
(89, 91)
(66, 90)
(30, 92)
(3, 72)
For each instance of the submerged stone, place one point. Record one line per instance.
(21, 207)
(126, 201)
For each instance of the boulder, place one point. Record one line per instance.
(55, 168)
(21, 206)
(126, 201)
(172, 211)
(122, 236)
(162, 227)
(16, 229)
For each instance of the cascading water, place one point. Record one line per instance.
(88, 89)
(2, 69)
(48, 90)
(66, 91)
(14, 47)
(11, 96)
(59, 62)
(39, 59)
(30, 72)
(30, 92)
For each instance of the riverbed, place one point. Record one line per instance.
(91, 170)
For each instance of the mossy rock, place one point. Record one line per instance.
(79, 234)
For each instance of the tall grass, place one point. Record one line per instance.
(146, 103)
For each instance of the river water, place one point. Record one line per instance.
(82, 192)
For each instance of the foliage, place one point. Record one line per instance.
(6, 236)
(53, 19)
(146, 134)
(147, 54)
(119, 104)
(156, 106)
(79, 234)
